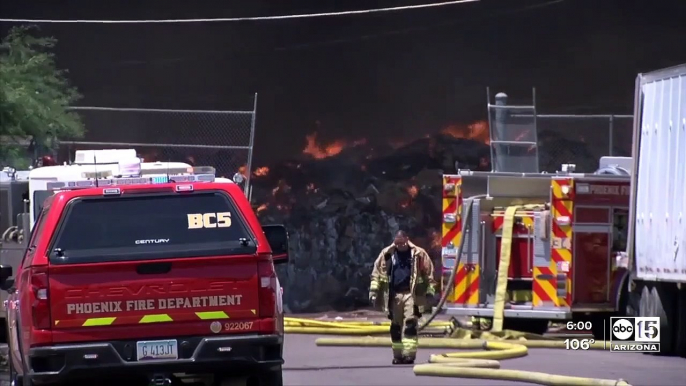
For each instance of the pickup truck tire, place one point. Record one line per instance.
(271, 377)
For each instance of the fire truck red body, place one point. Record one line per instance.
(566, 257)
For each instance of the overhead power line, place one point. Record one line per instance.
(236, 19)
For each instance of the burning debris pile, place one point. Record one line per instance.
(342, 203)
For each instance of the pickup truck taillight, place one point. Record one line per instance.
(267, 292)
(40, 306)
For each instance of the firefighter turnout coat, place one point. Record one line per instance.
(422, 281)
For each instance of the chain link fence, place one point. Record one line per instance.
(582, 139)
(222, 139)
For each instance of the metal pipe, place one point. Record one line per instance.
(611, 141)
(250, 146)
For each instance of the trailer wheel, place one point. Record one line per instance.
(645, 303)
(680, 342)
(664, 301)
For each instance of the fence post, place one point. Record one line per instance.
(500, 130)
(612, 129)
(248, 172)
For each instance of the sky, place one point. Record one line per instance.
(397, 74)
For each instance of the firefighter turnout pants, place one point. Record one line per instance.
(403, 315)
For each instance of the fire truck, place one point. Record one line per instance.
(22, 193)
(520, 249)
(544, 246)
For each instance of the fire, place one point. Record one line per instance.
(320, 150)
(262, 208)
(477, 131)
(412, 191)
(261, 171)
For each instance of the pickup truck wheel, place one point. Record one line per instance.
(272, 377)
(263, 378)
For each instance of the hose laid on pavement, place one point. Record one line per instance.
(478, 364)
(466, 364)
(312, 326)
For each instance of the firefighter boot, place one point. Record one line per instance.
(397, 343)
(410, 341)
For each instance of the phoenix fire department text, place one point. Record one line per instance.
(153, 304)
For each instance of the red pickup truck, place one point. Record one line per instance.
(127, 280)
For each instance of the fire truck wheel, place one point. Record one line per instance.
(532, 326)
(680, 344)
(598, 326)
(664, 299)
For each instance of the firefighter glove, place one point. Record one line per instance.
(431, 291)
(372, 298)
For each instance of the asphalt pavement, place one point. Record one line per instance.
(307, 364)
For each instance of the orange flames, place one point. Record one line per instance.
(412, 192)
(319, 150)
(477, 131)
(262, 208)
(261, 171)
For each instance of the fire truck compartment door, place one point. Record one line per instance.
(591, 265)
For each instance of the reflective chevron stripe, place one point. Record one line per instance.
(158, 318)
(98, 322)
(152, 318)
(212, 315)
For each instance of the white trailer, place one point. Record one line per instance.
(657, 230)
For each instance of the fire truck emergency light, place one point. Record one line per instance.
(129, 181)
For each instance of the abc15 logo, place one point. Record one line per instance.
(637, 329)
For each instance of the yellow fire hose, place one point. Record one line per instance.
(503, 268)
(465, 364)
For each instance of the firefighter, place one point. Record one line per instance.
(402, 278)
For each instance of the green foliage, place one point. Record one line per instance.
(34, 96)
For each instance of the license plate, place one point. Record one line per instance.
(157, 349)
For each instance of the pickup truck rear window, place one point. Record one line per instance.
(157, 226)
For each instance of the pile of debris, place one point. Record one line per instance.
(342, 209)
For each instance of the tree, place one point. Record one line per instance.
(34, 98)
